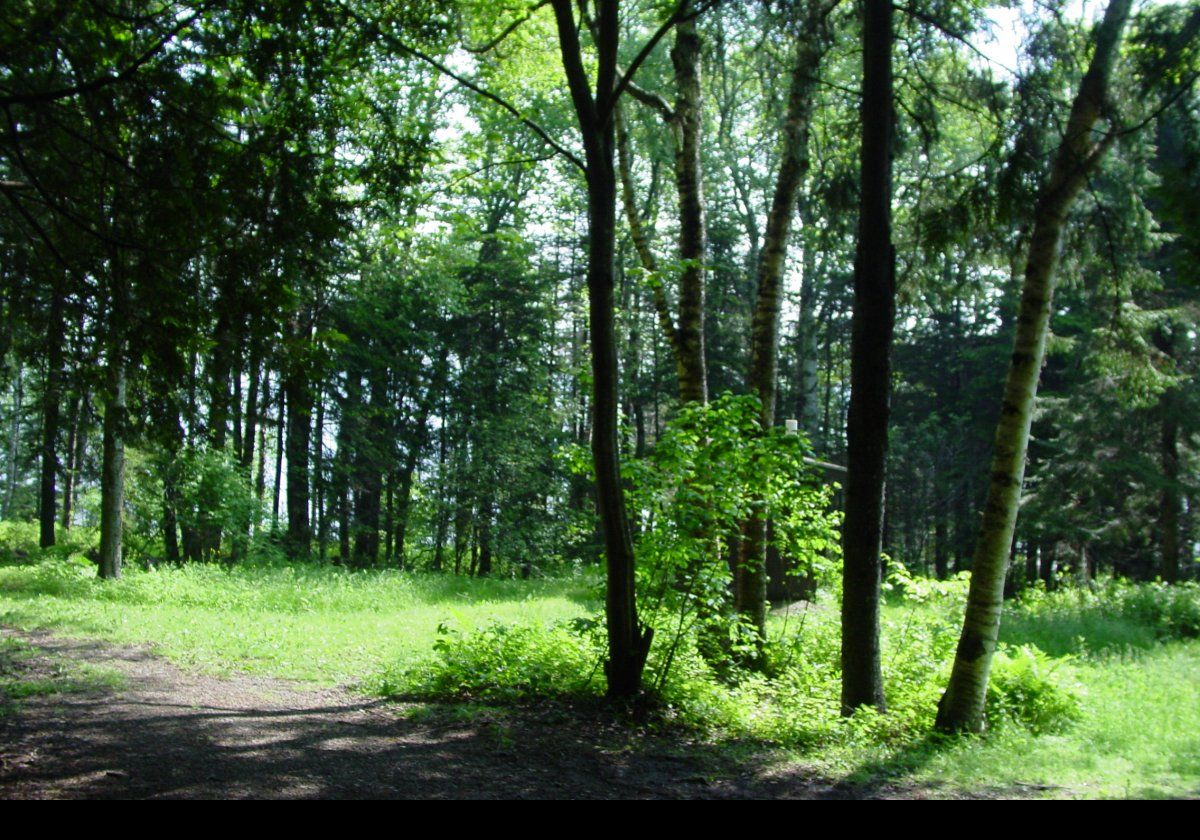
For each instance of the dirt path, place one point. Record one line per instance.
(172, 734)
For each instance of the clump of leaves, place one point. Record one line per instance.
(713, 467)
(1173, 610)
(1024, 690)
(503, 663)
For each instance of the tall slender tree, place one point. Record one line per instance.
(961, 707)
(870, 372)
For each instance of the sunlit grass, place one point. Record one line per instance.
(1139, 736)
(322, 624)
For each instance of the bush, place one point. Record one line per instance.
(503, 663)
(1023, 690)
(1112, 615)
(1172, 610)
(212, 496)
(713, 467)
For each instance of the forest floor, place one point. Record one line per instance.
(119, 722)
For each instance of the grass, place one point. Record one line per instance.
(25, 672)
(1139, 736)
(1126, 657)
(319, 624)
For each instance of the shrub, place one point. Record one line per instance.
(1024, 690)
(1172, 610)
(503, 662)
(712, 468)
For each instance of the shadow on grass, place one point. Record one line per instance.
(196, 738)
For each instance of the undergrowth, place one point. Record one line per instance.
(794, 701)
(26, 673)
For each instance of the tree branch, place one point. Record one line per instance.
(508, 30)
(102, 81)
(398, 44)
(675, 17)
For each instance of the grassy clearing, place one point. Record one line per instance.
(319, 624)
(1139, 735)
(1116, 714)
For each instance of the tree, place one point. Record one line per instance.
(763, 370)
(961, 707)
(870, 373)
(628, 640)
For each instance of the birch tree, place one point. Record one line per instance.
(1079, 153)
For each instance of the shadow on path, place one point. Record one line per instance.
(174, 734)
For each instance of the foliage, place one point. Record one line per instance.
(1022, 690)
(1111, 616)
(710, 469)
(213, 495)
(378, 628)
(500, 663)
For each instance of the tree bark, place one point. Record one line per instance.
(686, 120)
(368, 474)
(112, 473)
(1171, 507)
(870, 373)
(961, 707)
(76, 450)
(280, 427)
(693, 238)
(14, 439)
(299, 439)
(52, 396)
(750, 582)
(628, 641)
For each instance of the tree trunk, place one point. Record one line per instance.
(48, 497)
(76, 450)
(246, 454)
(1170, 504)
(112, 473)
(411, 460)
(693, 239)
(483, 537)
(1170, 510)
(961, 707)
(750, 581)
(260, 472)
(870, 374)
(299, 441)
(320, 486)
(14, 440)
(277, 486)
(686, 119)
(368, 473)
(628, 641)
